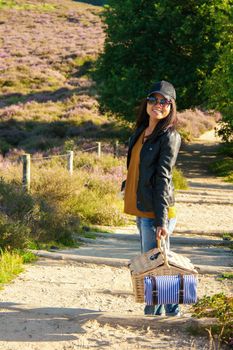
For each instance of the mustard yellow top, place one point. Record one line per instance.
(130, 198)
(171, 212)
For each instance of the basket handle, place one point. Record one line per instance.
(161, 244)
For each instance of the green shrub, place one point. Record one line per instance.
(217, 306)
(4, 146)
(58, 205)
(34, 216)
(21, 216)
(226, 149)
(15, 202)
(227, 236)
(223, 167)
(227, 275)
(98, 207)
(69, 145)
(229, 178)
(185, 134)
(85, 160)
(180, 182)
(13, 233)
(108, 162)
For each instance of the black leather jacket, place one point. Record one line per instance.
(155, 192)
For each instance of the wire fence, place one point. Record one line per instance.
(49, 157)
(27, 159)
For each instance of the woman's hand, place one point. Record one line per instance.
(161, 231)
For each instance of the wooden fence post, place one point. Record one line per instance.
(70, 161)
(116, 149)
(99, 149)
(26, 171)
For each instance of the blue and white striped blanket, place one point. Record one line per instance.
(190, 289)
(149, 287)
(168, 289)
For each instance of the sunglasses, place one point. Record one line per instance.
(154, 101)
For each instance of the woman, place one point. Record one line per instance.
(152, 153)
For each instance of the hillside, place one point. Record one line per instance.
(47, 96)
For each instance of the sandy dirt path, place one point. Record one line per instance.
(208, 204)
(56, 305)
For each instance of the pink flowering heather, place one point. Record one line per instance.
(194, 122)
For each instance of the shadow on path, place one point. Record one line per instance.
(19, 324)
(115, 251)
(210, 186)
(194, 159)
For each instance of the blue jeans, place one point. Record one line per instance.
(147, 232)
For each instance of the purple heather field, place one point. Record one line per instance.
(47, 96)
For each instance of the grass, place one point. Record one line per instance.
(28, 257)
(227, 236)
(11, 264)
(227, 275)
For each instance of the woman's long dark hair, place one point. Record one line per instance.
(167, 123)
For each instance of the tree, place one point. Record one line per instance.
(219, 88)
(149, 40)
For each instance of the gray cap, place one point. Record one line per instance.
(164, 88)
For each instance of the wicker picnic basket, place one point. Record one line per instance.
(157, 262)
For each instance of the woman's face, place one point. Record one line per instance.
(157, 110)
